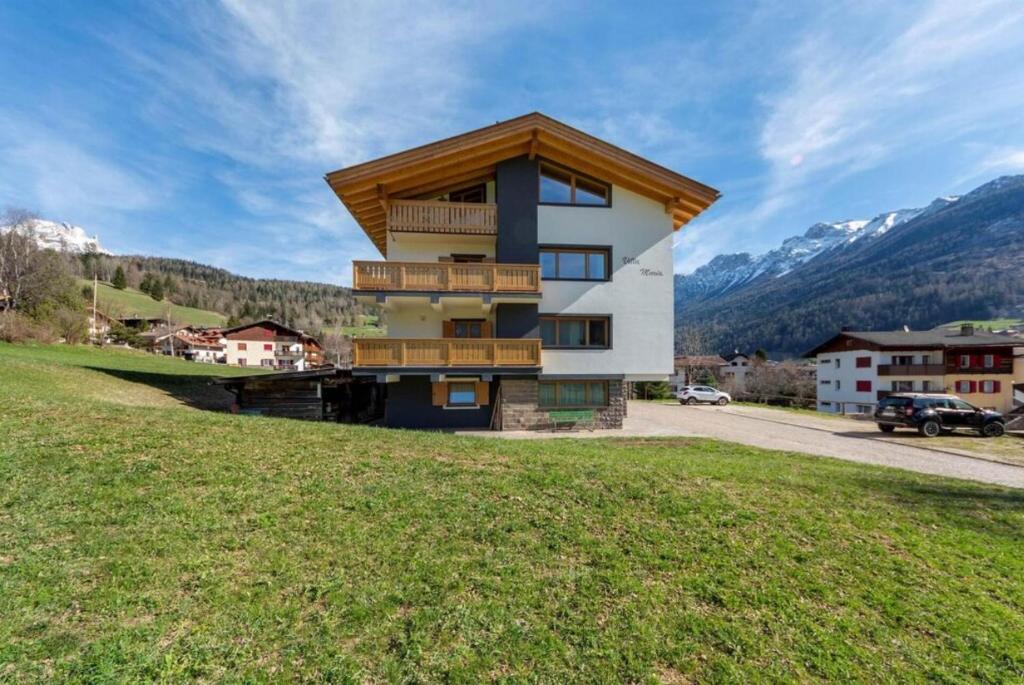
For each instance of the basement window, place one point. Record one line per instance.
(461, 394)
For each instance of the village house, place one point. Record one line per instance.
(271, 345)
(858, 368)
(693, 369)
(527, 275)
(734, 372)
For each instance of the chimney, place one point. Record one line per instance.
(967, 329)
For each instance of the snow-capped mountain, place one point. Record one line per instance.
(63, 237)
(727, 272)
(958, 258)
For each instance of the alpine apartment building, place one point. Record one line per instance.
(858, 368)
(270, 345)
(527, 269)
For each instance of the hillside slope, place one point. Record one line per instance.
(130, 302)
(959, 258)
(145, 540)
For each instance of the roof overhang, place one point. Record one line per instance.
(365, 188)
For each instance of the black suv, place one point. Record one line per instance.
(934, 414)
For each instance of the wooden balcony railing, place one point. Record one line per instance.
(435, 216)
(911, 369)
(410, 352)
(446, 277)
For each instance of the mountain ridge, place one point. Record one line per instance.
(958, 257)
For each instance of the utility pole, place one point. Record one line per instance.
(95, 287)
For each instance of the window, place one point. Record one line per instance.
(926, 386)
(241, 347)
(863, 362)
(990, 361)
(903, 359)
(468, 329)
(575, 332)
(267, 362)
(574, 263)
(826, 361)
(477, 193)
(839, 384)
(826, 382)
(242, 362)
(965, 361)
(926, 359)
(902, 386)
(267, 347)
(965, 386)
(838, 362)
(461, 394)
(990, 387)
(863, 386)
(864, 408)
(572, 394)
(563, 187)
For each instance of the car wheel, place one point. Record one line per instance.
(886, 428)
(722, 402)
(682, 401)
(691, 400)
(993, 430)
(930, 429)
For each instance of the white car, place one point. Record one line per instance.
(692, 394)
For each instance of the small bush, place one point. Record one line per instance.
(18, 328)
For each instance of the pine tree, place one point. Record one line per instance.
(120, 281)
(156, 290)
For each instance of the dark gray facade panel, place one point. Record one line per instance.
(409, 405)
(518, 192)
(514, 320)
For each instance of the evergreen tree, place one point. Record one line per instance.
(156, 290)
(120, 281)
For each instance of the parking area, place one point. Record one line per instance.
(822, 435)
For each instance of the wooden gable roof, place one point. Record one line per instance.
(364, 188)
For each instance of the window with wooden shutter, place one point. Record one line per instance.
(997, 386)
(863, 362)
(863, 386)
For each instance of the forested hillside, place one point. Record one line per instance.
(310, 306)
(962, 258)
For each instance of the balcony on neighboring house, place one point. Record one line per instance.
(437, 216)
(445, 352)
(446, 277)
(911, 369)
(289, 354)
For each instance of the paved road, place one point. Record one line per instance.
(829, 437)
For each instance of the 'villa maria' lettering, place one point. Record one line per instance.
(643, 272)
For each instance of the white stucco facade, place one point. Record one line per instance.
(637, 298)
(838, 376)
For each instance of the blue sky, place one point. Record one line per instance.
(202, 130)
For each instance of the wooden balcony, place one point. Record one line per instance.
(911, 370)
(435, 216)
(445, 352)
(446, 277)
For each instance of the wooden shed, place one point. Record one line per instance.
(328, 394)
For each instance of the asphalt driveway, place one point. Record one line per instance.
(825, 436)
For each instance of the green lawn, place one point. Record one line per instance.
(143, 539)
(129, 302)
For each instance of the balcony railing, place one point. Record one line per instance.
(446, 277)
(288, 353)
(911, 370)
(435, 216)
(445, 352)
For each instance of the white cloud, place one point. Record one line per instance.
(867, 85)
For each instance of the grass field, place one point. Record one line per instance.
(143, 539)
(129, 302)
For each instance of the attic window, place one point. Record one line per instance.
(563, 187)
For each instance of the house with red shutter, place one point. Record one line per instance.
(270, 345)
(858, 368)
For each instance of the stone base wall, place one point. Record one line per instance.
(519, 410)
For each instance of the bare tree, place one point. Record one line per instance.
(17, 251)
(337, 348)
(693, 343)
